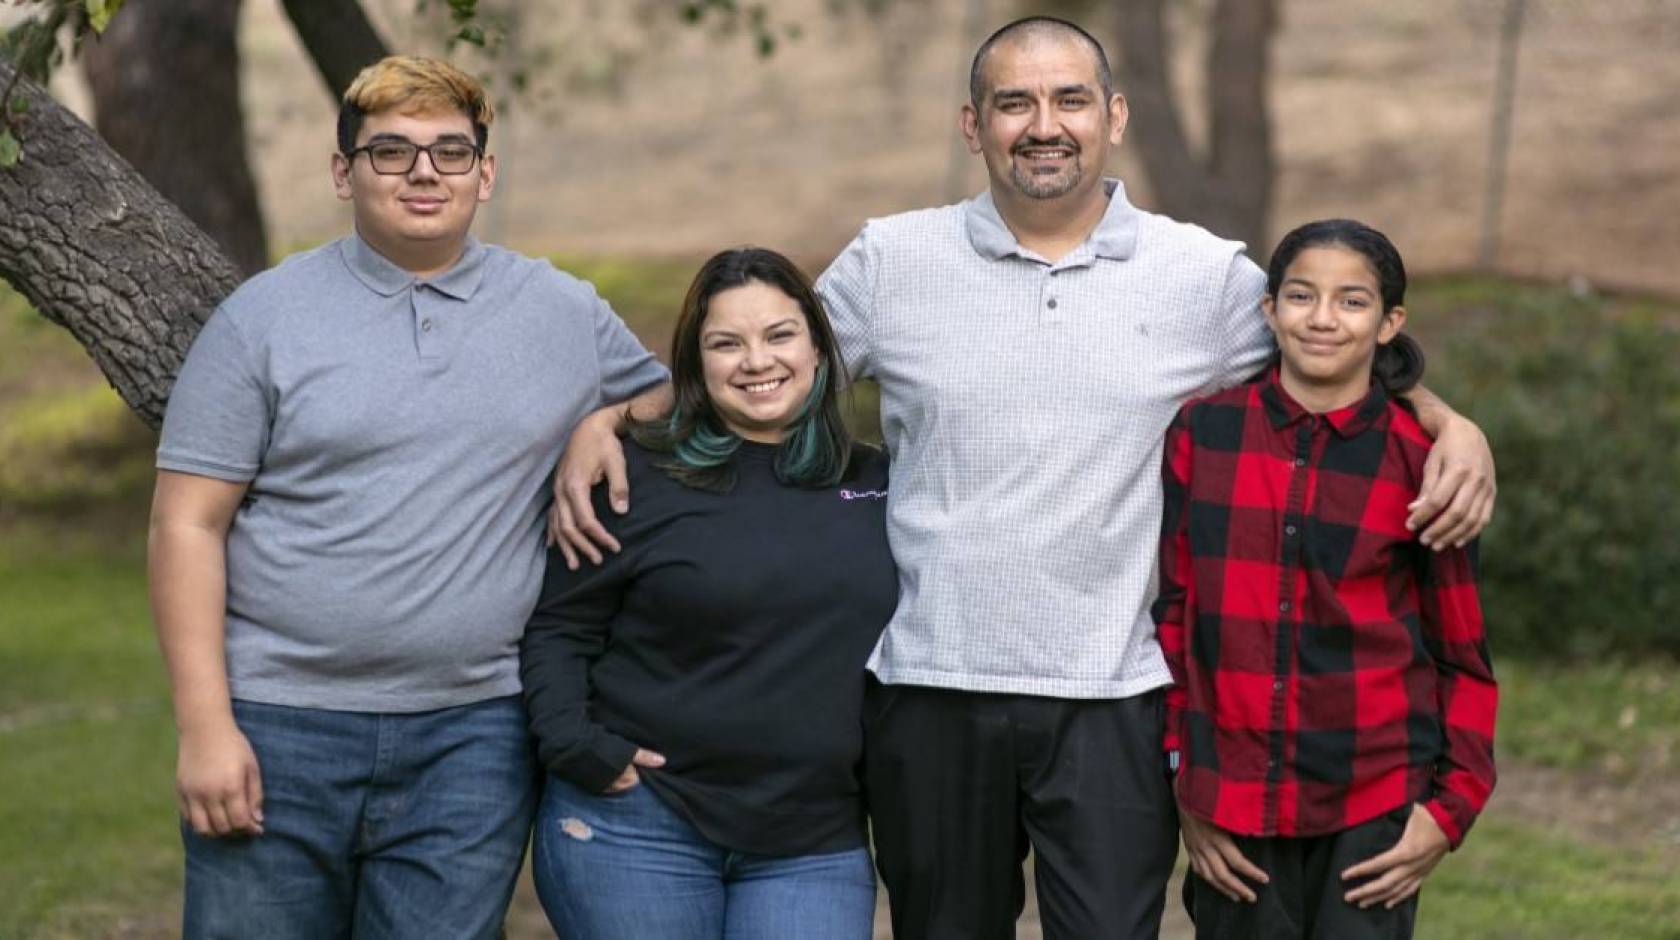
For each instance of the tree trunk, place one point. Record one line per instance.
(339, 38)
(100, 252)
(1230, 189)
(165, 83)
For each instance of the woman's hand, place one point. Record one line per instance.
(1398, 873)
(1215, 857)
(628, 779)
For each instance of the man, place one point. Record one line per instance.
(1032, 346)
(346, 542)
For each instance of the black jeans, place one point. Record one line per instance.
(961, 783)
(1303, 900)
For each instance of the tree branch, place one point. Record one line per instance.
(339, 37)
(98, 251)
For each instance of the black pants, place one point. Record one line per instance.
(960, 783)
(1303, 900)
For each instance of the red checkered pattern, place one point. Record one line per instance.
(1328, 668)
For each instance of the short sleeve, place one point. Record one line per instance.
(627, 368)
(1248, 341)
(847, 290)
(220, 412)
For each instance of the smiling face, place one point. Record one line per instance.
(1043, 125)
(758, 358)
(416, 217)
(1328, 318)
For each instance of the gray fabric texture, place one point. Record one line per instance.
(1024, 405)
(396, 436)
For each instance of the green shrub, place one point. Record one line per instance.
(1581, 399)
(67, 450)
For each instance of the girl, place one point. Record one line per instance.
(1331, 728)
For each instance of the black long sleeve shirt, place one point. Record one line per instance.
(730, 635)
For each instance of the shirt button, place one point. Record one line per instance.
(1052, 304)
(1288, 530)
(425, 326)
(1283, 606)
(1300, 461)
(1277, 685)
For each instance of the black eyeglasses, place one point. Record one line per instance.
(397, 157)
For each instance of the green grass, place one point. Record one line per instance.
(1518, 882)
(87, 831)
(1617, 719)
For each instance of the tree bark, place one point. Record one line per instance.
(100, 252)
(1230, 189)
(165, 83)
(339, 38)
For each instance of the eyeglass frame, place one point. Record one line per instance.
(478, 154)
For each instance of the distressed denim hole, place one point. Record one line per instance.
(577, 829)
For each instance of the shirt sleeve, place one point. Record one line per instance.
(627, 368)
(1169, 609)
(1248, 341)
(220, 411)
(847, 290)
(567, 632)
(1467, 697)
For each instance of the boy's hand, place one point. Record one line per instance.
(1215, 857)
(217, 782)
(594, 453)
(1398, 873)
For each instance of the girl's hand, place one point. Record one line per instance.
(629, 778)
(1215, 857)
(1398, 873)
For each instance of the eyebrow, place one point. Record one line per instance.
(710, 333)
(398, 138)
(1303, 282)
(1057, 92)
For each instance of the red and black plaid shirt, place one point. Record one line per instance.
(1328, 667)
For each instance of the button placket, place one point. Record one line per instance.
(1052, 305)
(428, 326)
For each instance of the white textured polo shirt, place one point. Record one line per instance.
(1024, 405)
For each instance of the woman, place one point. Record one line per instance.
(696, 698)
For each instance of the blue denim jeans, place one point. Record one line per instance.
(375, 826)
(627, 865)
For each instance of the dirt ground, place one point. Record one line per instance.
(660, 140)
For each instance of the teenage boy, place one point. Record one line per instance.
(346, 541)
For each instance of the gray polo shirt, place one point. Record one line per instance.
(1024, 404)
(396, 435)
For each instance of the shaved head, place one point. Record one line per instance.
(1032, 29)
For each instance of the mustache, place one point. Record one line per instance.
(1066, 143)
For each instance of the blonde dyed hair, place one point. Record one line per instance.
(413, 85)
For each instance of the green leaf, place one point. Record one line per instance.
(10, 151)
(20, 104)
(99, 12)
(472, 33)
